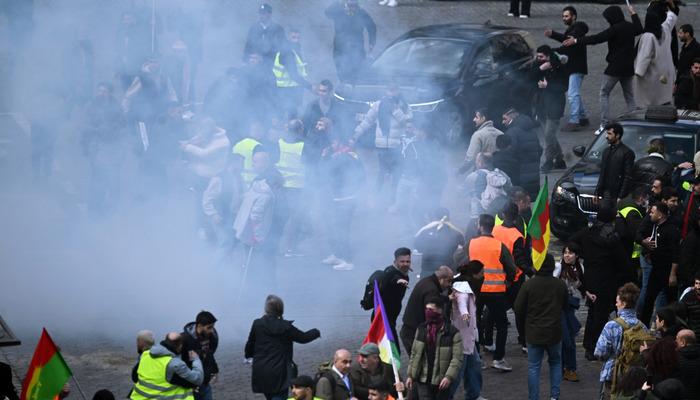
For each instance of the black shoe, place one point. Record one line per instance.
(559, 164)
(589, 356)
(584, 122)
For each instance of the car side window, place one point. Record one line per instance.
(483, 62)
(509, 48)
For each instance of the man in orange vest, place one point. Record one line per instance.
(499, 273)
(513, 239)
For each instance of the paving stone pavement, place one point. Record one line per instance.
(321, 297)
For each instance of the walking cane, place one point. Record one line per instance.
(245, 275)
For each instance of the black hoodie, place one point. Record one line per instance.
(204, 347)
(690, 370)
(620, 37)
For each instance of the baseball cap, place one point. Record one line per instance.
(302, 381)
(265, 8)
(369, 349)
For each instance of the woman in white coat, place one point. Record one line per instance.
(653, 68)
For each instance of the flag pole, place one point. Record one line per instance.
(80, 389)
(396, 376)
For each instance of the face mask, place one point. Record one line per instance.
(432, 316)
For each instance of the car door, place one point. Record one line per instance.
(511, 54)
(481, 77)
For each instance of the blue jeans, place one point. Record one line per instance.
(471, 375)
(661, 300)
(606, 86)
(574, 95)
(204, 393)
(535, 354)
(568, 344)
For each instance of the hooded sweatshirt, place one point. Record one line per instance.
(620, 38)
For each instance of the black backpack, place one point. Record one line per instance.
(367, 302)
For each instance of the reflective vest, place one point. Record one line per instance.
(499, 221)
(290, 164)
(152, 384)
(281, 74)
(245, 148)
(488, 250)
(636, 248)
(508, 236)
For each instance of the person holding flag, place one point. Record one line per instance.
(48, 372)
(382, 335)
(538, 228)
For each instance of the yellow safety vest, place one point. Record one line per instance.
(636, 248)
(290, 164)
(152, 383)
(281, 74)
(245, 148)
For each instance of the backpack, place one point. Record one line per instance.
(629, 356)
(495, 195)
(325, 371)
(367, 302)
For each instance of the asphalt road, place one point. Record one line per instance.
(99, 346)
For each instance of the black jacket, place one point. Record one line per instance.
(392, 292)
(437, 243)
(349, 29)
(689, 52)
(337, 112)
(687, 94)
(620, 37)
(204, 347)
(270, 345)
(7, 389)
(649, 167)
(578, 54)
(616, 171)
(523, 133)
(668, 238)
(689, 264)
(264, 40)
(690, 370)
(550, 101)
(605, 257)
(506, 161)
(415, 308)
(538, 307)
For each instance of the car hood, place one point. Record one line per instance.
(584, 175)
(414, 90)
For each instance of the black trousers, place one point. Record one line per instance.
(497, 305)
(524, 7)
(598, 313)
(658, 282)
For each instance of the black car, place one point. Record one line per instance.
(572, 198)
(447, 71)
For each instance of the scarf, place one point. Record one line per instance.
(434, 323)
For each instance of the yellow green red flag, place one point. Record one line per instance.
(538, 228)
(48, 371)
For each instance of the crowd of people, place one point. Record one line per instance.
(260, 167)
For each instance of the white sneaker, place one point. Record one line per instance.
(383, 2)
(501, 365)
(343, 266)
(392, 3)
(523, 16)
(511, 15)
(331, 260)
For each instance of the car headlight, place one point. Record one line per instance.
(563, 193)
(426, 107)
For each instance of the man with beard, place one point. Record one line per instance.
(327, 105)
(201, 337)
(577, 66)
(103, 143)
(621, 53)
(551, 78)
(690, 49)
(688, 88)
(371, 371)
(350, 21)
(290, 73)
(615, 178)
(483, 139)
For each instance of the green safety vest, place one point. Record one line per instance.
(282, 76)
(245, 148)
(636, 248)
(152, 383)
(290, 164)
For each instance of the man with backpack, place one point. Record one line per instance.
(621, 338)
(392, 282)
(334, 383)
(486, 189)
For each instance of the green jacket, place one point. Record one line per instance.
(448, 355)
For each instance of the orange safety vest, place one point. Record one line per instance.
(508, 236)
(488, 250)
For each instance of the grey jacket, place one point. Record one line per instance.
(385, 140)
(336, 390)
(177, 367)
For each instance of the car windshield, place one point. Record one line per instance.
(423, 56)
(679, 142)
